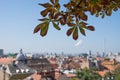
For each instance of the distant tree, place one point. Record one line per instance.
(110, 76)
(74, 79)
(74, 15)
(79, 74)
(87, 75)
(95, 68)
(117, 73)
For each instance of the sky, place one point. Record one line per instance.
(18, 19)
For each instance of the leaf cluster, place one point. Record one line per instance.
(74, 15)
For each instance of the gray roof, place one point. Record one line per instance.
(29, 66)
(33, 65)
(20, 69)
(39, 64)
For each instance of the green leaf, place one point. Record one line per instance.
(97, 14)
(51, 16)
(56, 1)
(52, 1)
(70, 24)
(44, 19)
(44, 29)
(83, 23)
(82, 31)
(57, 15)
(62, 21)
(69, 32)
(109, 12)
(38, 27)
(46, 5)
(91, 28)
(94, 1)
(75, 33)
(84, 17)
(44, 12)
(58, 6)
(56, 25)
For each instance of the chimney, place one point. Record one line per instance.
(13, 63)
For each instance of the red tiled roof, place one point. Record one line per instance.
(117, 66)
(97, 58)
(108, 62)
(111, 68)
(52, 61)
(74, 65)
(102, 73)
(70, 75)
(6, 60)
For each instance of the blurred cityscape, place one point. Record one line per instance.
(53, 66)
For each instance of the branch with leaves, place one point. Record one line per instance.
(74, 15)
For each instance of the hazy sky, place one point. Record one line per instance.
(19, 17)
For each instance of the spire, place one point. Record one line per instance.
(21, 51)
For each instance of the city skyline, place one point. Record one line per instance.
(19, 18)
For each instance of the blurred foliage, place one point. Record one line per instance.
(117, 73)
(87, 74)
(74, 15)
